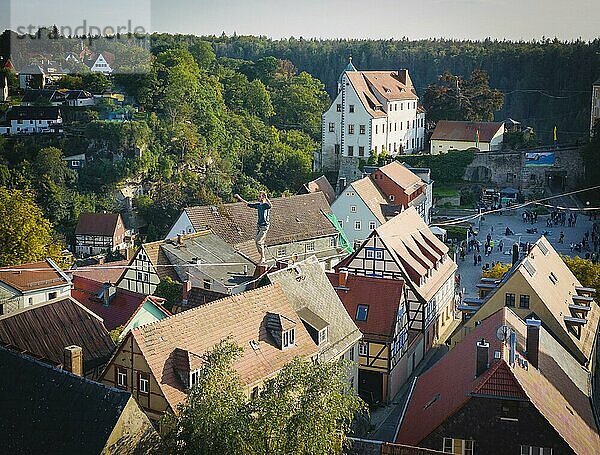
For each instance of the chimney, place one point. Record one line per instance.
(109, 292)
(483, 348)
(179, 239)
(341, 185)
(533, 341)
(342, 279)
(187, 287)
(403, 76)
(515, 254)
(73, 360)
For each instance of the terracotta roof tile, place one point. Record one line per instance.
(372, 197)
(306, 286)
(403, 177)
(554, 389)
(32, 276)
(384, 297)
(109, 272)
(104, 224)
(123, 305)
(198, 330)
(447, 130)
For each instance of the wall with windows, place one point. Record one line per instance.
(20, 300)
(141, 276)
(325, 248)
(481, 420)
(356, 218)
(128, 370)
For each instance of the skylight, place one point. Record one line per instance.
(530, 268)
(362, 312)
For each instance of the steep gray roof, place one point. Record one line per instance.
(47, 410)
(208, 249)
(306, 286)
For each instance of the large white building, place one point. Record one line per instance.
(373, 111)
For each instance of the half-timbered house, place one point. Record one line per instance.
(389, 351)
(405, 249)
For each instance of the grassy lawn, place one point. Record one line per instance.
(445, 191)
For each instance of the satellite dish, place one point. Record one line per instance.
(503, 332)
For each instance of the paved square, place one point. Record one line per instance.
(496, 225)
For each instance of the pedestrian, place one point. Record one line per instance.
(571, 246)
(561, 238)
(479, 258)
(262, 226)
(475, 259)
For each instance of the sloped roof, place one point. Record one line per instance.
(418, 250)
(33, 113)
(556, 297)
(123, 305)
(208, 248)
(109, 272)
(323, 185)
(104, 224)
(243, 317)
(449, 130)
(44, 330)
(559, 398)
(46, 409)
(33, 276)
(384, 297)
(294, 218)
(306, 286)
(403, 177)
(372, 197)
(389, 85)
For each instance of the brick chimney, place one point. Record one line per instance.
(342, 279)
(403, 76)
(483, 348)
(187, 287)
(533, 341)
(73, 360)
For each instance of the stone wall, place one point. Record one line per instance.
(507, 169)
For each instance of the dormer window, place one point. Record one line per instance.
(282, 329)
(323, 336)
(288, 338)
(194, 378)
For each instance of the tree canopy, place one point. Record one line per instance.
(587, 272)
(25, 235)
(306, 408)
(456, 98)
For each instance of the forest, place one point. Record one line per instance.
(545, 83)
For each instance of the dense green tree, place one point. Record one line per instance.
(25, 235)
(455, 98)
(307, 408)
(299, 103)
(204, 54)
(587, 272)
(171, 291)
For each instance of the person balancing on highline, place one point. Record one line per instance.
(262, 226)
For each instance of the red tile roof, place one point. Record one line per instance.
(104, 224)
(450, 383)
(122, 306)
(32, 276)
(243, 317)
(109, 272)
(384, 297)
(447, 130)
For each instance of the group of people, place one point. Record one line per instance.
(557, 218)
(530, 217)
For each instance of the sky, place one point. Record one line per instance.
(459, 19)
